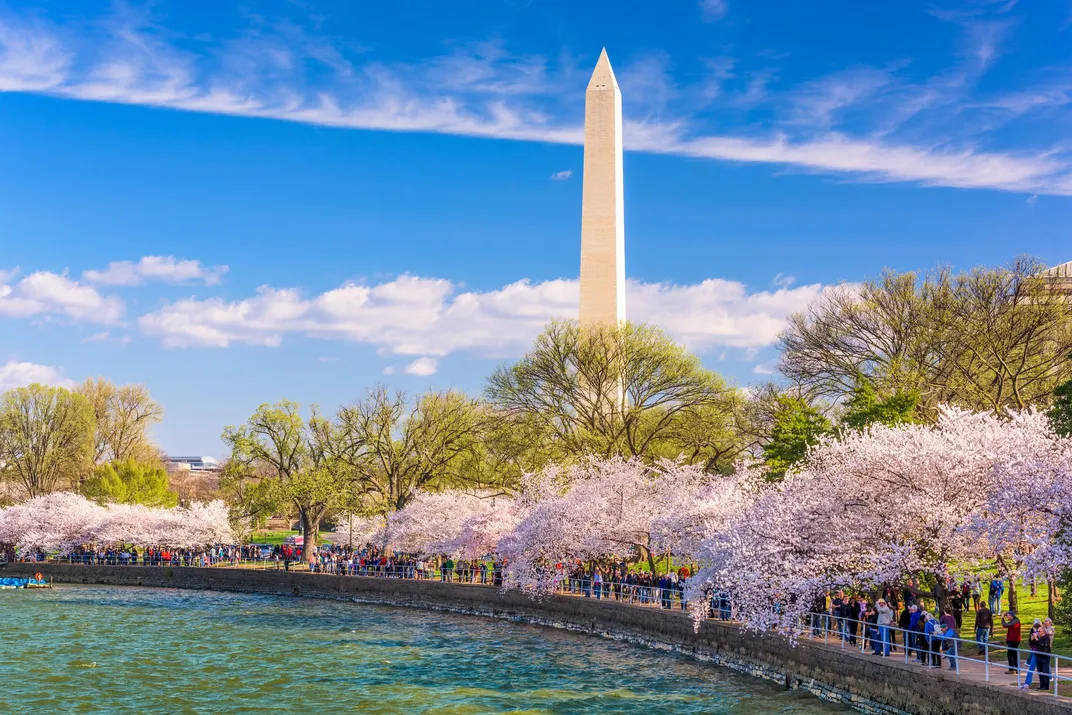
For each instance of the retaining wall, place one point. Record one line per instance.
(829, 672)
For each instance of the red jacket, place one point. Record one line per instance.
(1012, 634)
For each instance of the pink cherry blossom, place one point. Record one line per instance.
(62, 521)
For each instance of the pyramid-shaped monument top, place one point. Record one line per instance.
(603, 75)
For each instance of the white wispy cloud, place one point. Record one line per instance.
(431, 317)
(712, 10)
(19, 374)
(482, 90)
(783, 280)
(562, 175)
(45, 294)
(422, 367)
(166, 269)
(767, 367)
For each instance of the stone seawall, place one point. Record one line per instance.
(869, 685)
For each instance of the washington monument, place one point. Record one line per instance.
(602, 214)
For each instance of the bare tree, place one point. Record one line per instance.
(394, 449)
(987, 339)
(124, 414)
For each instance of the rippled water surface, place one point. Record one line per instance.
(98, 649)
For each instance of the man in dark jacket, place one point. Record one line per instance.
(984, 625)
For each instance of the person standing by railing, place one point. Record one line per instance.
(931, 641)
(984, 624)
(1012, 640)
(945, 636)
(1042, 655)
(1032, 660)
(884, 620)
(836, 605)
(913, 635)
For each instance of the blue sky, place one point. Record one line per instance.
(238, 204)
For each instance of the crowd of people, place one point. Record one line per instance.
(887, 623)
(156, 556)
(618, 583)
(371, 560)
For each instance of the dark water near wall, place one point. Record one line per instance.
(95, 649)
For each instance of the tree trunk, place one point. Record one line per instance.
(941, 595)
(1051, 598)
(1014, 599)
(310, 535)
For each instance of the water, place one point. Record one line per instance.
(95, 649)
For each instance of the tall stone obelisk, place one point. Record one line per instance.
(602, 210)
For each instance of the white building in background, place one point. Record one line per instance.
(193, 464)
(1060, 277)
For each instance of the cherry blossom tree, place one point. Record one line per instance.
(1029, 511)
(481, 533)
(62, 521)
(432, 522)
(362, 530)
(604, 510)
(874, 507)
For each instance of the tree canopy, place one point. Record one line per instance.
(394, 448)
(797, 426)
(626, 391)
(130, 482)
(1061, 412)
(279, 461)
(988, 339)
(46, 438)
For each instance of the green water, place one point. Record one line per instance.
(127, 650)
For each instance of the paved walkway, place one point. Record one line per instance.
(974, 669)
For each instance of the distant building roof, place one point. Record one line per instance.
(194, 463)
(1062, 271)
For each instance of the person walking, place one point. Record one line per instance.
(1012, 640)
(997, 588)
(956, 600)
(984, 624)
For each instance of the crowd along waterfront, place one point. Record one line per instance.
(110, 649)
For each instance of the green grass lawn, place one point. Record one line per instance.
(1030, 608)
(275, 537)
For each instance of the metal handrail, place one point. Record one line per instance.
(957, 656)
